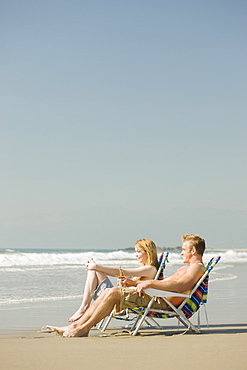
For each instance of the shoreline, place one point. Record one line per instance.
(225, 304)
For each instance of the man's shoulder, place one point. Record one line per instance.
(197, 267)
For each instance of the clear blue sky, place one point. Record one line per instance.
(122, 120)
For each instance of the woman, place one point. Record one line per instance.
(146, 254)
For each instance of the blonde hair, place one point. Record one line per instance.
(195, 241)
(150, 248)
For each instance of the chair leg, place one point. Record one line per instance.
(107, 322)
(139, 324)
(138, 318)
(154, 321)
(198, 320)
(99, 325)
(188, 324)
(141, 321)
(206, 315)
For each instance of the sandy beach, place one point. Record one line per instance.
(219, 347)
(222, 345)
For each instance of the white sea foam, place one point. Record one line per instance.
(217, 277)
(28, 259)
(37, 299)
(17, 259)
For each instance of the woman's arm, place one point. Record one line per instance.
(147, 272)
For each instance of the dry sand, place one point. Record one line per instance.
(218, 347)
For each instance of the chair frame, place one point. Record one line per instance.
(176, 311)
(163, 259)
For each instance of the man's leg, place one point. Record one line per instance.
(110, 295)
(100, 310)
(60, 329)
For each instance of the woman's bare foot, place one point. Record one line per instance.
(78, 314)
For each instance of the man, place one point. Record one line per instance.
(182, 281)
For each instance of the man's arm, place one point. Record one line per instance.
(182, 281)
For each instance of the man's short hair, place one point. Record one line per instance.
(195, 241)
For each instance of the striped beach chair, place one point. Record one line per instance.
(163, 260)
(200, 296)
(191, 303)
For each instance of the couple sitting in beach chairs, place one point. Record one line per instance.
(191, 278)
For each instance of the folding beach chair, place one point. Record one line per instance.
(163, 259)
(191, 303)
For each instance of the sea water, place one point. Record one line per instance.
(53, 279)
(35, 275)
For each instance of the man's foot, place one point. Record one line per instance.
(71, 332)
(78, 314)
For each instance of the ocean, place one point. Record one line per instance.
(41, 277)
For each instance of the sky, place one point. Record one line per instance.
(122, 120)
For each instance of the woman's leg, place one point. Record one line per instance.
(94, 278)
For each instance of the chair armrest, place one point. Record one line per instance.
(164, 293)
